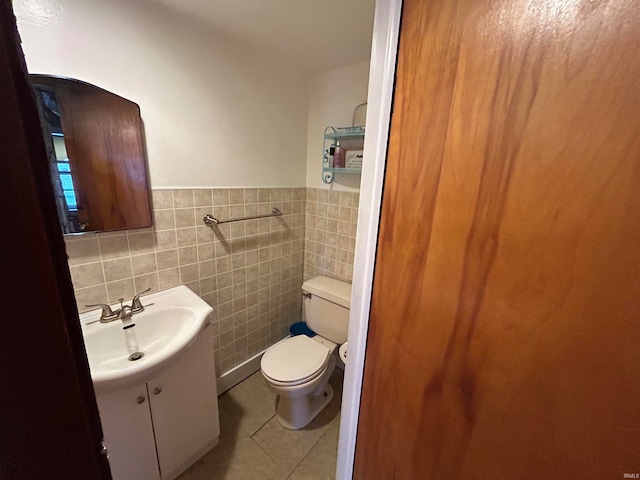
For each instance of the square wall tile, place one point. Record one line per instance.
(183, 198)
(143, 264)
(117, 269)
(114, 246)
(185, 217)
(162, 199)
(87, 275)
(167, 259)
(220, 196)
(141, 242)
(168, 278)
(90, 296)
(82, 249)
(164, 219)
(203, 197)
(120, 289)
(144, 282)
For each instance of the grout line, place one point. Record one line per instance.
(261, 426)
(308, 452)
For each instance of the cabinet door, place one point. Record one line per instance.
(184, 405)
(128, 434)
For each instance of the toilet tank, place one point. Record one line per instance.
(326, 307)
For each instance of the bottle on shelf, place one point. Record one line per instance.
(338, 156)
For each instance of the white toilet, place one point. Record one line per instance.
(298, 368)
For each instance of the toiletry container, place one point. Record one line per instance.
(338, 156)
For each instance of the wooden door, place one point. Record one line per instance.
(503, 339)
(49, 424)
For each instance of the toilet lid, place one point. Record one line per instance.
(294, 359)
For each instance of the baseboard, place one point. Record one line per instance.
(238, 373)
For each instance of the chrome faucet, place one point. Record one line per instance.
(125, 312)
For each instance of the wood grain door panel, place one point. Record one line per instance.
(104, 140)
(505, 316)
(103, 134)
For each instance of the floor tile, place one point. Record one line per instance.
(288, 448)
(239, 460)
(320, 462)
(250, 403)
(254, 446)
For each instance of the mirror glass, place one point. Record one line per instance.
(96, 156)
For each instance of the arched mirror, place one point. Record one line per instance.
(96, 156)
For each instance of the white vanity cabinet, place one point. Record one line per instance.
(128, 433)
(184, 406)
(156, 430)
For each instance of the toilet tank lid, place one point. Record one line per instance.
(330, 289)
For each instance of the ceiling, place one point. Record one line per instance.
(312, 35)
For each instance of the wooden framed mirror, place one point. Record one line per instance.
(96, 156)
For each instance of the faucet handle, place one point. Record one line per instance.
(136, 304)
(125, 311)
(107, 314)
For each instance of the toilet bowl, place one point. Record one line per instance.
(302, 385)
(297, 369)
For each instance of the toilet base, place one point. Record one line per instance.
(297, 413)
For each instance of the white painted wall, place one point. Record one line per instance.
(215, 114)
(332, 97)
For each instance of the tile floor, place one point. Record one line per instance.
(253, 445)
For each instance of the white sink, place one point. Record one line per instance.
(163, 330)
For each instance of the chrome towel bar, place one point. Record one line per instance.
(211, 220)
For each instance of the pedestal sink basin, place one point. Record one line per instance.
(166, 327)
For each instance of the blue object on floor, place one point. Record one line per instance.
(300, 328)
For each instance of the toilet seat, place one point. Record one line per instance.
(294, 361)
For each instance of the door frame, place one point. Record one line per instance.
(384, 48)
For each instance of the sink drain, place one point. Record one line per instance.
(135, 356)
